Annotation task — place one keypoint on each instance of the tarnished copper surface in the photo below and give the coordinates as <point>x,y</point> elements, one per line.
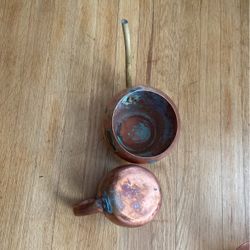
<point>141,124</point>
<point>130,196</point>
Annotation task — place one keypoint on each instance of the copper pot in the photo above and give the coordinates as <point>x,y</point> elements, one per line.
<point>141,123</point>
<point>128,195</point>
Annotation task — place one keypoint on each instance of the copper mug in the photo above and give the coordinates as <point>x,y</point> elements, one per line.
<point>129,196</point>
<point>141,123</point>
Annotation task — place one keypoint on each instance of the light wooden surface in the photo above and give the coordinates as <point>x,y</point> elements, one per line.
<point>62,61</point>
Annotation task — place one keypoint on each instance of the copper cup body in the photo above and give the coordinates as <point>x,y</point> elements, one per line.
<point>129,196</point>
<point>141,124</point>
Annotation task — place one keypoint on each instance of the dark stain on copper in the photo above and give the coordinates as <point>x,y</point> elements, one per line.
<point>136,205</point>
<point>130,190</point>
<point>115,199</point>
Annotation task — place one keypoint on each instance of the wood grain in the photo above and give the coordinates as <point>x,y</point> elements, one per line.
<point>62,61</point>
<point>210,103</point>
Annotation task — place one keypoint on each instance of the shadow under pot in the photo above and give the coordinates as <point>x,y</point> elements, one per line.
<point>128,195</point>
<point>141,124</point>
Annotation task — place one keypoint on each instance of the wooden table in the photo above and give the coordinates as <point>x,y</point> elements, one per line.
<point>62,61</point>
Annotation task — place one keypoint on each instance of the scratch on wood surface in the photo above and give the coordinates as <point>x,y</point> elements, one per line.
<point>53,128</point>
<point>228,110</point>
<point>150,53</point>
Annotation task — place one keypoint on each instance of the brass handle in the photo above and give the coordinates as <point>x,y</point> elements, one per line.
<point>128,56</point>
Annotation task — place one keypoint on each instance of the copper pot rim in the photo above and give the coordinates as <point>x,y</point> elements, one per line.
<point>174,107</point>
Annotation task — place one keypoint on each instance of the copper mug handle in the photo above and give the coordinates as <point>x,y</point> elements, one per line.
<point>87,207</point>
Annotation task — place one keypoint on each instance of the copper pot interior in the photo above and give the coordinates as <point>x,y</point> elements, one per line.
<point>144,123</point>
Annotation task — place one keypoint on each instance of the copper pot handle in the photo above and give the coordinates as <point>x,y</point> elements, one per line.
<point>128,55</point>
<point>88,206</point>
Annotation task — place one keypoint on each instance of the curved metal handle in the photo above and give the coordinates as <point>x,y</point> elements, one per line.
<point>88,206</point>
<point>128,56</point>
